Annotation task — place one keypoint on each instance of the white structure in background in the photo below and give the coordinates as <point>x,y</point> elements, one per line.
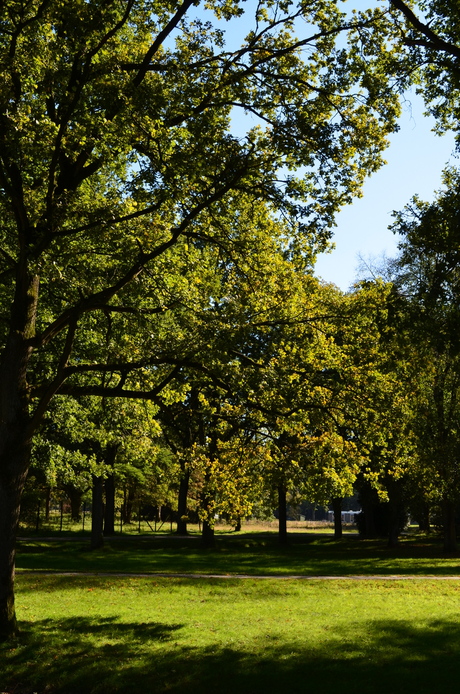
<point>347,516</point>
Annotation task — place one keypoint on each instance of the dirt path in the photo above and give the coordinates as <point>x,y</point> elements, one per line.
<point>278,577</point>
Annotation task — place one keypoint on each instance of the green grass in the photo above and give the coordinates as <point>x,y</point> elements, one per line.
<point>107,634</point>
<point>247,553</point>
<point>95,635</point>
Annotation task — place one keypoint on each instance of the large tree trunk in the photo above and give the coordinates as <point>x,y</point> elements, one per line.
<point>337,508</point>
<point>207,535</point>
<point>109,510</point>
<point>282,515</point>
<point>368,502</point>
<point>182,502</point>
<point>423,518</point>
<point>395,510</point>
<point>11,485</point>
<point>393,526</point>
<point>75,497</point>
<point>128,504</point>
<point>15,436</point>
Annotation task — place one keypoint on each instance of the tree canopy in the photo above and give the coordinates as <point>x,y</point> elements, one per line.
<point>164,189</point>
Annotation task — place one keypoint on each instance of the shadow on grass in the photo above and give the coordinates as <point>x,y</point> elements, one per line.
<point>260,554</point>
<point>382,657</point>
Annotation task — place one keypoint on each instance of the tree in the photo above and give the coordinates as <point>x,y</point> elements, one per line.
<point>112,444</point>
<point>428,36</point>
<point>116,151</point>
<point>293,395</point>
<point>427,277</point>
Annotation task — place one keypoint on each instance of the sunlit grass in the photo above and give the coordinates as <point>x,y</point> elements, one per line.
<point>100,635</point>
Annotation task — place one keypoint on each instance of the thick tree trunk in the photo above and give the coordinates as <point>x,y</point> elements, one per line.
<point>368,507</point>
<point>207,535</point>
<point>11,486</point>
<point>182,503</point>
<point>337,508</point>
<point>393,530</point>
<point>423,518</point>
<point>282,515</point>
<point>15,435</point>
<point>97,514</point>
<point>450,531</point>
<point>75,497</point>
<point>127,508</point>
<point>395,511</point>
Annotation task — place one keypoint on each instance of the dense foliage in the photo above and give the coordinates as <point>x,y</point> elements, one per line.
<point>168,173</point>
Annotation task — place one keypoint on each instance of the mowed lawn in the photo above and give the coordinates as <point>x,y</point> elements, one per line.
<point>245,553</point>
<point>101,634</point>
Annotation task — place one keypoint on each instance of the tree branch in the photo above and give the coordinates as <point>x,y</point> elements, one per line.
<point>164,33</point>
<point>98,300</point>
<point>437,42</point>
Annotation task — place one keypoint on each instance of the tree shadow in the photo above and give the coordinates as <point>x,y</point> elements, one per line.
<point>251,553</point>
<point>382,657</point>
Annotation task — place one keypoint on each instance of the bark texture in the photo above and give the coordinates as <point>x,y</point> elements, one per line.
<point>15,438</point>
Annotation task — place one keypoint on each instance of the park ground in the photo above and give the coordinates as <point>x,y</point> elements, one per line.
<point>107,621</point>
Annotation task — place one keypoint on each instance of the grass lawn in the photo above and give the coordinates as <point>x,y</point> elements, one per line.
<point>104,634</point>
<point>95,635</point>
<point>246,553</point>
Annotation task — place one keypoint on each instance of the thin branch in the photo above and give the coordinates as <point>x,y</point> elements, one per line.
<point>108,308</point>
<point>49,238</point>
<point>106,392</point>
